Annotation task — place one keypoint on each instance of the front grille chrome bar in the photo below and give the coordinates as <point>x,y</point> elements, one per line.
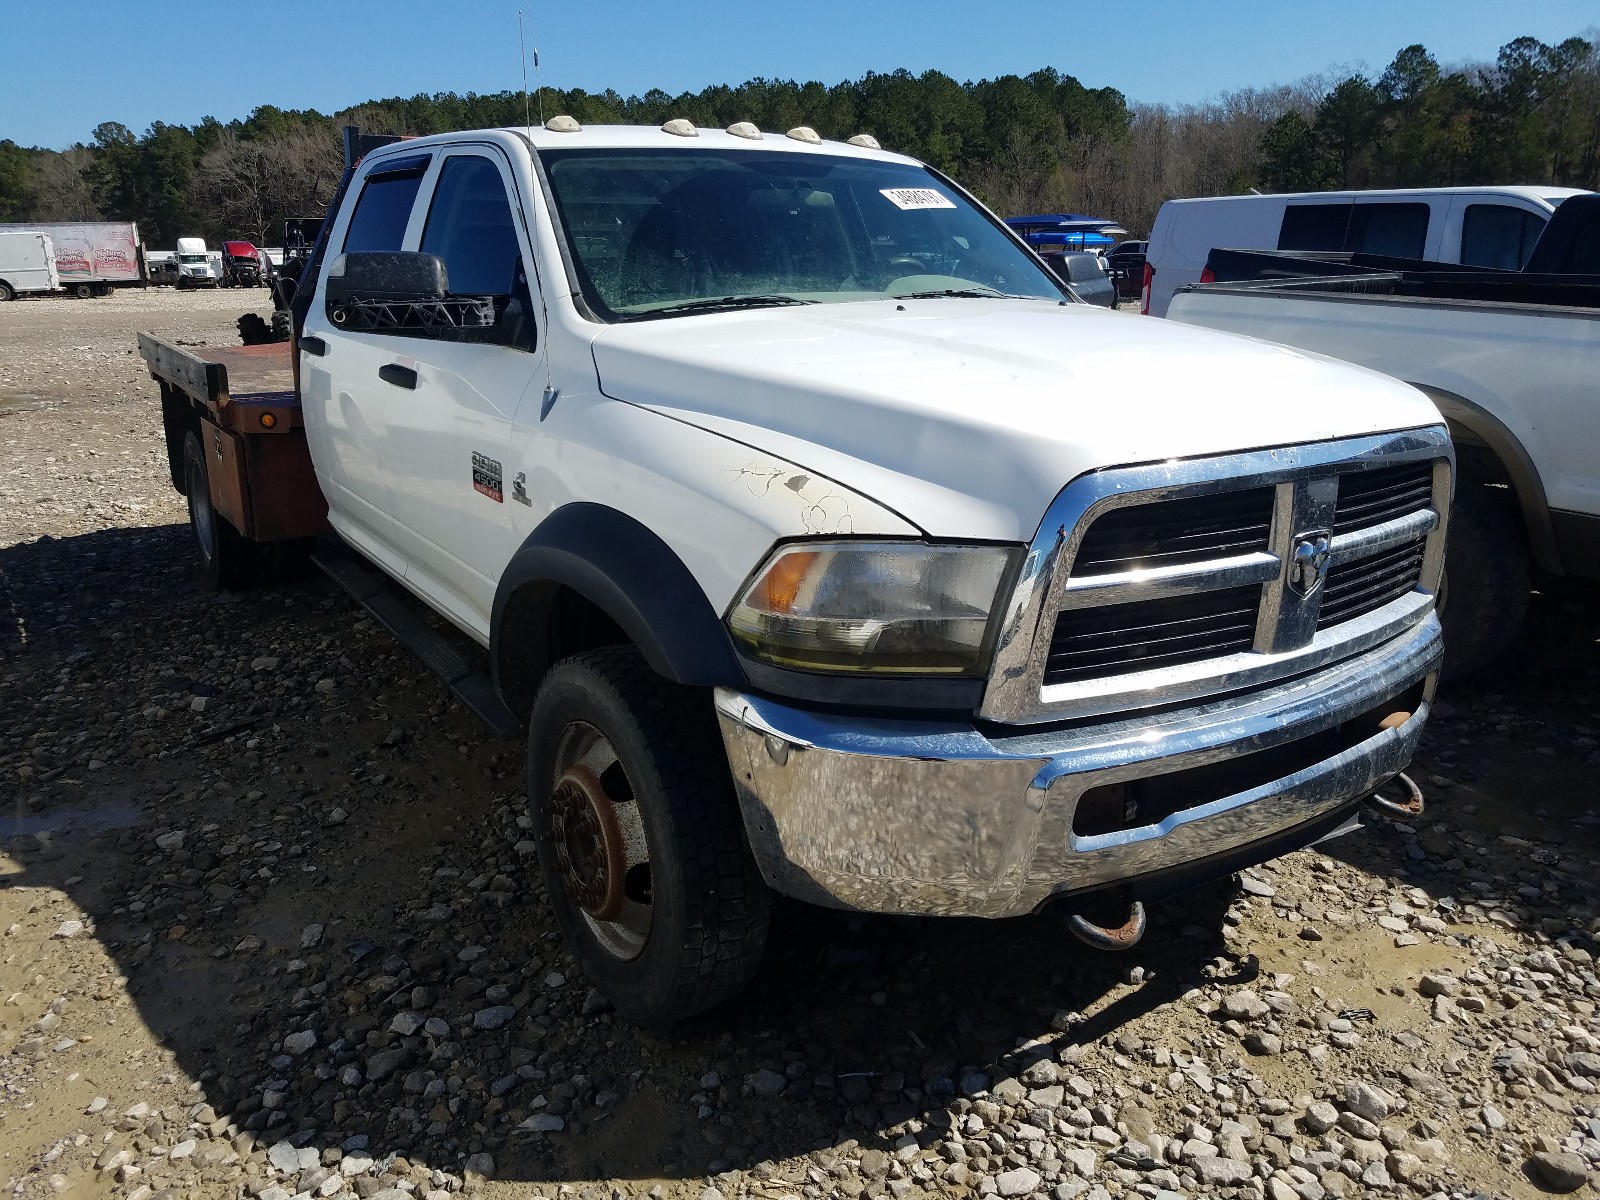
<point>1160,583</point>
<point>1375,539</point>
<point>1288,639</point>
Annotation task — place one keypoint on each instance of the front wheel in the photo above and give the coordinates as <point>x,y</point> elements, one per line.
<point>641,846</point>
<point>226,557</point>
<point>1487,577</point>
<point>7,292</point>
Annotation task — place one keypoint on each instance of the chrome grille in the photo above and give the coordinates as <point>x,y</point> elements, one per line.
<point>1368,498</point>
<point>1089,642</point>
<point>1365,585</point>
<point>1178,580</point>
<point>1189,530</point>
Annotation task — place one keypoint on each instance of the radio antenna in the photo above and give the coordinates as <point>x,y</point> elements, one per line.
<point>538,78</point>
<point>522,43</point>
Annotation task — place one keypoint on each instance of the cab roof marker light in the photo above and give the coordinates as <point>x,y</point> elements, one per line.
<point>563,124</point>
<point>866,141</point>
<point>679,127</point>
<point>745,129</point>
<point>806,134</point>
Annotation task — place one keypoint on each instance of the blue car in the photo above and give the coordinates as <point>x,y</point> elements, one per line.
<point>1059,233</point>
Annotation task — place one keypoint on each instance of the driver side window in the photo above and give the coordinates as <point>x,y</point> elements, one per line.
<point>471,227</point>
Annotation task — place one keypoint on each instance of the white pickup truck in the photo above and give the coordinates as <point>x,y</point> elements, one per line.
<point>1512,361</point>
<point>775,483</point>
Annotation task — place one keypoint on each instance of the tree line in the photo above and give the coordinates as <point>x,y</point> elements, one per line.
<point>1040,142</point>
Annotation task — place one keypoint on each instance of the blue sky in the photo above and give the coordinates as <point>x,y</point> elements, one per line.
<point>180,60</point>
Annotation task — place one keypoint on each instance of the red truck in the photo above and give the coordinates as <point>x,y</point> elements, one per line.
<point>242,265</point>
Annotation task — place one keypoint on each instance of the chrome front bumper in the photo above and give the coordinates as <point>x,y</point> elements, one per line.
<point>912,816</point>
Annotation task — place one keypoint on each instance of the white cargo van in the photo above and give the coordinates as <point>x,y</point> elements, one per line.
<point>1479,226</point>
<point>27,264</point>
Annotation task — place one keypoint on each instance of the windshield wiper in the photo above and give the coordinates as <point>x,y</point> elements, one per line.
<point>715,304</point>
<point>964,294</point>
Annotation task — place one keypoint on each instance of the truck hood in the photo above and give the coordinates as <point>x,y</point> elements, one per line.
<point>968,416</point>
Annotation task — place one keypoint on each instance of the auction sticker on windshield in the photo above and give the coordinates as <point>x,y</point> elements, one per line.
<point>912,198</point>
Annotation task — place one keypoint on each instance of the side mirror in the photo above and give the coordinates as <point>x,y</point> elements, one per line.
<point>407,293</point>
<point>388,276</point>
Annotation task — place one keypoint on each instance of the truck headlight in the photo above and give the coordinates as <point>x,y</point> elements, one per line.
<point>884,607</point>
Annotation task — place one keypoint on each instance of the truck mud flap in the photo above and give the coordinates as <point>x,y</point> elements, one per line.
<point>397,613</point>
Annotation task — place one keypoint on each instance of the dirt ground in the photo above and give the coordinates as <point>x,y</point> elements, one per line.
<point>264,892</point>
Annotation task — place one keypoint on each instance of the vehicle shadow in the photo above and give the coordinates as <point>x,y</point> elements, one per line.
<point>294,877</point>
<point>345,947</point>
<point>1508,764</point>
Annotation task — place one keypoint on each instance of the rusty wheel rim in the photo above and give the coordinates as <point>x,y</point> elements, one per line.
<point>602,854</point>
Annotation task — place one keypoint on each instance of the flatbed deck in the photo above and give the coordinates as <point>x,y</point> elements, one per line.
<point>241,403</point>
<point>240,384</point>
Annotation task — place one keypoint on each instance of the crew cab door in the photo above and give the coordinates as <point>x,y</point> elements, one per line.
<point>446,437</point>
<point>345,397</point>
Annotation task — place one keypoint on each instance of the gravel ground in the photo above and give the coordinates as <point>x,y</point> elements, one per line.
<point>268,926</point>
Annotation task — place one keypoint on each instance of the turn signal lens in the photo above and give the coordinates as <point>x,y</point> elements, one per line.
<point>268,420</point>
<point>888,607</point>
<point>780,586</point>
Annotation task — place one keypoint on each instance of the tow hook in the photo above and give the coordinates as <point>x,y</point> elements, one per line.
<point>1122,937</point>
<point>1408,808</point>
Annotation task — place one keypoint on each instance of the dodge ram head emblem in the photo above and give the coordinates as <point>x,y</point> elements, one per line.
<point>1308,561</point>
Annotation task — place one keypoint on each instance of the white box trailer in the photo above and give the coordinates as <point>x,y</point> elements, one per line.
<point>27,263</point>
<point>92,257</point>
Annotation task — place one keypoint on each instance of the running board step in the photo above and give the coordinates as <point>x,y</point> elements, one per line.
<point>396,612</point>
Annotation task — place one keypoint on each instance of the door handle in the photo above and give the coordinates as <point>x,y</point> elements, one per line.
<point>312,344</point>
<point>399,376</point>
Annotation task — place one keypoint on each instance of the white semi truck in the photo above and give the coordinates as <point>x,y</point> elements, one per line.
<point>197,267</point>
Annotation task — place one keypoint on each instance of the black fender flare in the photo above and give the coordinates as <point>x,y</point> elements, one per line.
<point>630,574</point>
<point>1482,426</point>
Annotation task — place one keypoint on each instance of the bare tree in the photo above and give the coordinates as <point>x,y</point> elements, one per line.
<point>60,187</point>
<point>246,185</point>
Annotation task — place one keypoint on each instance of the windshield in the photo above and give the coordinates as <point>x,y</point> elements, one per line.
<point>656,233</point>
<point>192,258</point>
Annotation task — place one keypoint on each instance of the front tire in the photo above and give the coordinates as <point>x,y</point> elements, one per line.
<point>227,558</point>
<point>1487,577</point>
<point>641,845</point>
<point>7,292</point>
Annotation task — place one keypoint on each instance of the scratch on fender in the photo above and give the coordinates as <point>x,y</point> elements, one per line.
<point>757,478</point>
<point>824,512</point>
<point>830,514</point>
